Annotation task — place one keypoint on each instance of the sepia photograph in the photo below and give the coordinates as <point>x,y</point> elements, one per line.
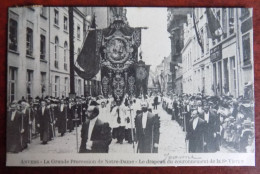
<point>130,86</point>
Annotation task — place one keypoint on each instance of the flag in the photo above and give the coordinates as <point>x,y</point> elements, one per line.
<point>142,75</point>
<point>213,24</point>
<point>197,34</point>
<point>88,61</point>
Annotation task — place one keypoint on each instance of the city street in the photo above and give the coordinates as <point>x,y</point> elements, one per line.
<point>172,140</point>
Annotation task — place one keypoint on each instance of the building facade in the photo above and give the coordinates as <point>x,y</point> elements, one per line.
<point>223,65</point>
<point>176,18</point>
<point>38,50</point>
<point>27,56</point>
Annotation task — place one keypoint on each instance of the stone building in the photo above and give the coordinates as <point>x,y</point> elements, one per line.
<point>38,50</point>
<point>222,65</point>
<point>28,56</point>
<point>176,18</point>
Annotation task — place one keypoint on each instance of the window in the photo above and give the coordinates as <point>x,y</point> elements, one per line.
<point>246,49</point>
<point>202,40</point>
<point>244,12</point>
<point>29,41</point>
<point>79,87</point>
<point>66,86</point>
<point>78,32</point>
<point>233,78</point>
<point>226,76</point>
<point>207,39</point>
<point>231,20</point>
<point>65,23</point>
<point>13,35</point>
<point>56,52</point>
<point>57,86</point>
<point>56,17</point>
<point>12,83</point>
<point>65,55</point>
<point>43,12</point>
<point>29,87</point>
<point>43,83</point>
<point>42,47</point>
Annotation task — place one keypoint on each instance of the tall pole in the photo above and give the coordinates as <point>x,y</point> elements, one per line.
<point>71,39</point>
<point>72,79</point>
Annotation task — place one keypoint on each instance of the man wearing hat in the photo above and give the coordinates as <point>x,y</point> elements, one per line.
<point>195,133</point>
<point>147,130</point>
<point>62,117</point>
<point>212,128</point>
<point>43,122</point>
<point>26,118</point>
<point>95,134</point>
<point>71,112</point>
<point>14,131</point>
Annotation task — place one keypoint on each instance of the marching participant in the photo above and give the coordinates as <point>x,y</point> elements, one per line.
<point>71,111</point>
<point>147,130</point>
<point>13,143</point>
<point>62,117</point>
<point>25,110</point>
<point>130,128</point>
<point>211,128</point>
<point>43,122</point>
<point>195,133</point>
<point>96,135</point>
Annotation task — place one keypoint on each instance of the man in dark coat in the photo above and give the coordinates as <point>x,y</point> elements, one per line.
<point>95,135</point>
<point>52,120</point>
<point>62,118</point>
<point>195,133</point>
<point>211,129</point>
<point>13,143</point>
<point>186,114</point>
<point>71,111</point>
<point>147,131</point>
<point>25,110</point>
<point>43,122</point>
<point>155,102</point>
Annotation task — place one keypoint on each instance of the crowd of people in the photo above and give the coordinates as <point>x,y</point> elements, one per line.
<point>100,119</point>
<point>213,121</point>
<point>209,122</point>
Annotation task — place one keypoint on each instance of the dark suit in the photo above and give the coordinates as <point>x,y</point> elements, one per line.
<point>62,119</point>
<point>101,137</point>
<point>211,128</point>
<point>25,126</point>
<point>14,132</point>
<point>155,102</point>
<point>44,121</point>
<point>71,112</point>
<point>147,137</point>
<point>187,116</point>
<point>196,136</point>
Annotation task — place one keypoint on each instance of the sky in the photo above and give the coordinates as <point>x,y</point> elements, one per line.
<point>155,40</point>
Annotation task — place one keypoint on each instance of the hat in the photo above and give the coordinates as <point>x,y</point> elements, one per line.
<point>41,100</point>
